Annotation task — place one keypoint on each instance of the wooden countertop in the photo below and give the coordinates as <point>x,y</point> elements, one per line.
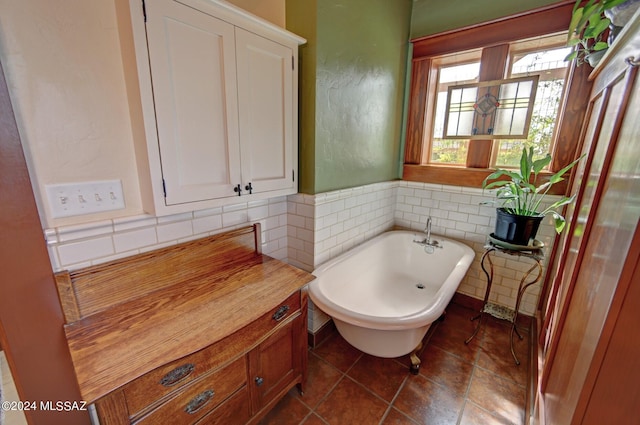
<point>114,346</point>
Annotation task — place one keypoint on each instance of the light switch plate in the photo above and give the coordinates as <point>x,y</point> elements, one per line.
<point>69,199</point>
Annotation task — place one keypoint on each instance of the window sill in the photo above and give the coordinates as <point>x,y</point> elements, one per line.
<point>462,176</point>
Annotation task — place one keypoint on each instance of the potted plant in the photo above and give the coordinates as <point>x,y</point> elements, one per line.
<point>519,217</point>
<point>587,30</point>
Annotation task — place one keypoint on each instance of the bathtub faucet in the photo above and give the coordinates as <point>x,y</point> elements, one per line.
<point>427,229</point>
<point>426,242</point>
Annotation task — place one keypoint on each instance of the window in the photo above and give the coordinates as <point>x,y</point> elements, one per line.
<point>511,48</point>
<point>449,72</point>
<point>546,61</point>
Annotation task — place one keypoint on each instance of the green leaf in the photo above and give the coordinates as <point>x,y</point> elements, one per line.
<point>600,45</point>
<point>525,164</point>
<point>539,164</point>
<point>514,175</point>
<point>608,4</point>
<point>553,207</point>
<point>571,56</point>
<point>596,27</point>
<point>528,187</point>
<point>496,174</point>
<point>521,196</point>
<point>575,19</point>
<point>573,41</point>
<point>499,173</point>
<point>559,222</point>
<point>543,186</point>
<point>506,195</point>
<point>564,201</point>
<point>557,177</point>
<point>588,13</point>
<point>497,183</point>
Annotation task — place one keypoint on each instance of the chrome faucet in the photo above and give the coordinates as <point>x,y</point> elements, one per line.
<point>426,242</point>
<point>427,230</point>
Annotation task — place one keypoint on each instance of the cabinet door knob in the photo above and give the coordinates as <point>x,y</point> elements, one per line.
<point>259,381</point>
<point>249,188</point>
<point>238,190</point>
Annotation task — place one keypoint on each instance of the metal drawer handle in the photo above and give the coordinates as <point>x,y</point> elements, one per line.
<point>177,375</point>
<point>199,401</point>
<point>280,313</point>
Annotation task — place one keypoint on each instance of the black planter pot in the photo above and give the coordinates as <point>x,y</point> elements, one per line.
<point>516,229</point>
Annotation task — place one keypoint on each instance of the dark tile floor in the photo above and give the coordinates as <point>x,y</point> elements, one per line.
<point>477,383</point>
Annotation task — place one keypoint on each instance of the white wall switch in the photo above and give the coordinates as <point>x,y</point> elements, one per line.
<point>69,199</point>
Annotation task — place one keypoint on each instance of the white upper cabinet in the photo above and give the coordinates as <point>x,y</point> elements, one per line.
<point>265,70</point>
<point>218,94</point>
<point>193,75</point>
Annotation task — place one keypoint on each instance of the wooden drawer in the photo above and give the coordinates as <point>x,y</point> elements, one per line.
<point>261,328</point>
<point>197,399</point>
<point>143,393</point>
<point>233,411</point>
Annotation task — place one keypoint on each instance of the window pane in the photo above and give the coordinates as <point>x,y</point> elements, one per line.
<point>461,112</point>
<point>459,73</point>
<point>552,68</point>
<point>445,151</point>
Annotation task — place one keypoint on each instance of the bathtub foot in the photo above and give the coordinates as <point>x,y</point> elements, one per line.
<point>442,317</point>
<point>415,360</point>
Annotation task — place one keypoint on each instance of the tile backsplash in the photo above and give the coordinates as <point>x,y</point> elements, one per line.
<point>325,225</point>
<point>307,230</point>
<point>460,213</point>
<point>74,247</point>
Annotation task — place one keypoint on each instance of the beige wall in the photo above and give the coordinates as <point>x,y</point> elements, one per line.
<point>271,10</point>
<point>64,69</point>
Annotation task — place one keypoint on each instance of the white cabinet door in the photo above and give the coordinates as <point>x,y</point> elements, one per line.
<point>193,74</point>
<point>266,99</point>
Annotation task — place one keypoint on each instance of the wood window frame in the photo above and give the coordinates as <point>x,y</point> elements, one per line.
<point>494,38</point>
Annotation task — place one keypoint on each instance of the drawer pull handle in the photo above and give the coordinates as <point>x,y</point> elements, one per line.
<point>177,375</point>
<point>280,313</point>
<point>199,401</point>
<point>259,381</point>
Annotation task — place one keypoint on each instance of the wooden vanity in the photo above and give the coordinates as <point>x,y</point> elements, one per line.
<point>208,331</point>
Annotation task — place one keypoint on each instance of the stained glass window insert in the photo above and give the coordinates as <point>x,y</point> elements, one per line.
<point>490,109</point>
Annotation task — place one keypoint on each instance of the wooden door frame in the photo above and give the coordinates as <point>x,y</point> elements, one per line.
<point>31,320</point>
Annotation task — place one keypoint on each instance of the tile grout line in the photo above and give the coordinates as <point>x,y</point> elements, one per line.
<point>468,389</point>
<point>476,366</point>
<point>393,400</point>
<point>483,338</point>
<point>330,390</point>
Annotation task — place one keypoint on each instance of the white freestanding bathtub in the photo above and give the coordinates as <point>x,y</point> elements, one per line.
<point>384,294</point>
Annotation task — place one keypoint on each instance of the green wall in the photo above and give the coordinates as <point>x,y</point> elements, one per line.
<point>434,16</point>
<point>301,18</point>
<point>352,88</point>
<point>353,79</point>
